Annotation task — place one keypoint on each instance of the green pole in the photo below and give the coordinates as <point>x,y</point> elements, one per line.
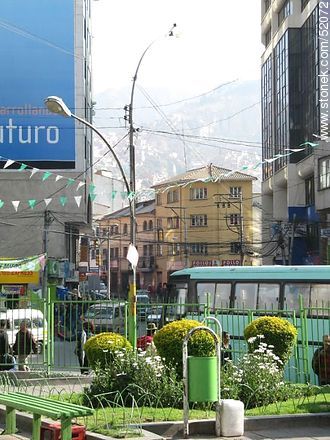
<point>132,311</point>
<point>49,330</point>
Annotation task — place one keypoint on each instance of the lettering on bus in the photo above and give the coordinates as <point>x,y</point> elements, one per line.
<point>230,263</point>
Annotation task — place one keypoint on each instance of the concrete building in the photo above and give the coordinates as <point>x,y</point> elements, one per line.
<point>295,131</point>
<point>45,159</point>
<point>204,218</point>
<point>116,226</point>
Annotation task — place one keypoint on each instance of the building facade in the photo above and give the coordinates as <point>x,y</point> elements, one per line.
<point>45,159</point>
<point>295,131</point>
<point>204,218</point>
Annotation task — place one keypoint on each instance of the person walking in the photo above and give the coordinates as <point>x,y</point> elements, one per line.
<point>24,345</point>
<point>321,362</point>
<point>86,332</point>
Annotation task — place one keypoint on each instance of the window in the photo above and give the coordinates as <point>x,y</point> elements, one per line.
<point>145,225</point>
<point>151,225</point>
<point>173,196</point>
<point>114,229</point>
<point>234,219</point>
<point>235,247</point>
<point>324,173</point>
<point>174,249</point>
<point>159,223</point>
<point>173,223</point>
<point>268,296</point>
<point>216,295</point>
<point>292,294</point>
<point>125,229</point>
<point>158,199</point>
<point>125,250</point>
<point>199,248</point>
<point>284,12</point>
<point>246,295</point>
<point>114,252</point>
<point>159,250</point>
<point>198,193</point>
<point>198,220</point>
<point>309,191</point>
<point>235,192</point>
<point>151,249</point>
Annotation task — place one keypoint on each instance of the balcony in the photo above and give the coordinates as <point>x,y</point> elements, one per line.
<point>146,264</point>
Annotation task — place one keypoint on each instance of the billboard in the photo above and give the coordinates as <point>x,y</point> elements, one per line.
<point>37,60</point>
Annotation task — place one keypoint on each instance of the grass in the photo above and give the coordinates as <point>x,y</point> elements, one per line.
<point>123,422</point>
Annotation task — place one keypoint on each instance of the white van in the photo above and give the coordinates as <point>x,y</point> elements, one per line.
<point>35,322</point>
<point>107,317</point>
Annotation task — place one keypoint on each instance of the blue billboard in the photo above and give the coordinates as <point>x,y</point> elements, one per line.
<point>37,60</point>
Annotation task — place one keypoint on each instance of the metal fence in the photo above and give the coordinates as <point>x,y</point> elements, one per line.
<point>56,325</point>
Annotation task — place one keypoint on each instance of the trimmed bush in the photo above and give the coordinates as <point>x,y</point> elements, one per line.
<point>100,349</point>
<point>169,340</point>
<point>277,332</point>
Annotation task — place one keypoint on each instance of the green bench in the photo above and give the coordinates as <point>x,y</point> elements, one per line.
<point>41,406</point>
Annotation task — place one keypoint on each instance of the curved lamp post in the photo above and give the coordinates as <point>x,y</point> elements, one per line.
<point>56,105</point>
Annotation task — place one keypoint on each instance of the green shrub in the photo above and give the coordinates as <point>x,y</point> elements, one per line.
<point>100,349</point>
<point>169,340</point>
<point>135,379</point>
<point>277,332</point>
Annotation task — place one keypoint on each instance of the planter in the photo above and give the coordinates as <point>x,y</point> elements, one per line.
<point>202,379</point>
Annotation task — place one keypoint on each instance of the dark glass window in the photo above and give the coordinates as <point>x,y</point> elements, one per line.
<point>267,114</point>
<point>284,12</point>
<point>268,36</point>
<point>304,4</point>
<point>324,173</point>
<point>310,191</point>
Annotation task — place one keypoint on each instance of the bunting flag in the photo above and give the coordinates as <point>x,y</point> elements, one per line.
<point>70,182</point>
<point>1,203</point>
<point>63,200</point>
<point>22,167</point>
<point>8,163</point>
<point>33,171</point>
<point>47,202</point>
<point>58,177</point>
<point>113,194</point>
<point>91,188</point>
<point>46,175</point>
<point>32,203</point>
<point>78,200</point>
<point>15,204</point>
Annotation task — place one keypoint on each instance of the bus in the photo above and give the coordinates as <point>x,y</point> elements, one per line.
<point>238,294</point>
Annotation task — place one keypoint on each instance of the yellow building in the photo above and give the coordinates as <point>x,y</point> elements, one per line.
<point>203,218</point>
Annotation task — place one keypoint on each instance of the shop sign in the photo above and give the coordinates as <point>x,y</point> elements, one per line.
<point>230,263</point>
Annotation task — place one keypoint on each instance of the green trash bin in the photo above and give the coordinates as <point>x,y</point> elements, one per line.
<point>202,379</point>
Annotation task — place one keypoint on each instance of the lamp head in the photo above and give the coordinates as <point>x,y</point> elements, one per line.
<point>56,105</point>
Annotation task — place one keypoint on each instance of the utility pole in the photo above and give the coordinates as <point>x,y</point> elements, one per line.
<point>109,267</point>
<point>48,219</point>
<point>241,229</point>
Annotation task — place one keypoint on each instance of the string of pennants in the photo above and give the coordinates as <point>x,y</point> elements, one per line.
<point>63,200</point>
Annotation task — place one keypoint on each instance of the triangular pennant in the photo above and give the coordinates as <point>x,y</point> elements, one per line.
<point>78,200</point>
<point>92,197</point>
<point>32,203</point>
<point>310,144</point>
<point>63,200</point>
<point>244,168</point>
<point>58,177</point>
<point>22,167</point>
<point>257,165</point>
<point>91,188</point>
<point>271,160</point>
<point>131,195</point>
<point>70,182</point>
<point>113,194</point>
<point>80,184</point>
<point>33,171</point>
<point>8,163</point>
<point>15,204</point>
<point>1,203</point>
<point>46,175</point>
<point>123,194</point>
<point>47,201</point>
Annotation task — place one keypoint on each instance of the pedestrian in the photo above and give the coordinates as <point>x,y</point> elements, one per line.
<point>24,345</point>
<point>146,341</point>
<point>86,332</point>
<point>321,362</point>
<point>7,361</point>
<point>225,348</point>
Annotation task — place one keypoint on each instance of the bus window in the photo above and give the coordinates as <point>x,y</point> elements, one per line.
<point>320,295</point>
<point>291,295</point>
<point>222,295</point>
<point>268,296</point>
<point>205,294</point>
<point>181,297</point>
<point>246,295</point>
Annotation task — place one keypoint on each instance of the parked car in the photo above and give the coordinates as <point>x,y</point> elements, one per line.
<point>160,315</point>
<point>142,304</point>
<point>107,317</point>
